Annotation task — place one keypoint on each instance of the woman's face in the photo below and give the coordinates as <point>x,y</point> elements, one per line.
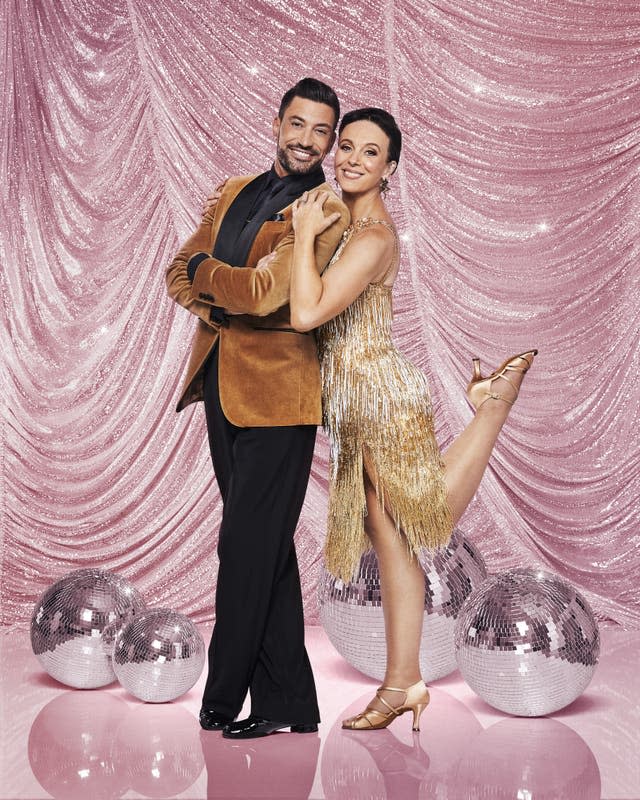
<point>361,157</point>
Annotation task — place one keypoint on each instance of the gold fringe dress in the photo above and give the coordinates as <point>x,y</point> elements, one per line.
<point>378,417</point>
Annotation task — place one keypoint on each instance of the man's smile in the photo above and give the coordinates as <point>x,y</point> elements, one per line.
<point>302,154</point>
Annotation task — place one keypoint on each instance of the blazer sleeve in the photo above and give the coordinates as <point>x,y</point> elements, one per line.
<point>178,283</point>
<point>246,290</point>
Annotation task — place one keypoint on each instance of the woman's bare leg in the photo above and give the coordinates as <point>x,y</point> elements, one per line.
<point>402,588</point>
<point>467,458</point>
<point>401,576</point>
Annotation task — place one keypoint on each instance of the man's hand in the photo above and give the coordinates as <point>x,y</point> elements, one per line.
<point>211,202</point>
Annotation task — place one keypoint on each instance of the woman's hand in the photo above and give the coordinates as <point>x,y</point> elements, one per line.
<point>265,261</point>
<point>211,202</point>
<point>308,214</point>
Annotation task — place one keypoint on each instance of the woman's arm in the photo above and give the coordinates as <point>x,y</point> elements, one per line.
<point>317,298</point>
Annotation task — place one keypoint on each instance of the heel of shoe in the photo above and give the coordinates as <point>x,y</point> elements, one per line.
<point>304,728</point>
<point>480,389</point>
<point>417,713</point>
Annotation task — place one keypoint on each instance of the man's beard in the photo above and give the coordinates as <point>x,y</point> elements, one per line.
<point>295,167</point>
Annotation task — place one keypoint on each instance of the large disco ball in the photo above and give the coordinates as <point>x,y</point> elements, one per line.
<point>69,620</point>
<point>352,616</point>
<point>527,642</point>
<point>158,655</point>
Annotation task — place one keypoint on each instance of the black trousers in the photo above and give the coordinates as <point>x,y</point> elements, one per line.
<point>258,638</point>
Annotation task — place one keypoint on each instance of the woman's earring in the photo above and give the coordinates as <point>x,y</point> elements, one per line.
<point>384,185</point>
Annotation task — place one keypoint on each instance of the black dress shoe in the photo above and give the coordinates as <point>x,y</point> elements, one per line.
<point>210,720</point>
<point>253,727</point>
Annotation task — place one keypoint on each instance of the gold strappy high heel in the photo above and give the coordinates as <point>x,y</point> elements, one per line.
<point>416,699</point>
<point>479,389</point>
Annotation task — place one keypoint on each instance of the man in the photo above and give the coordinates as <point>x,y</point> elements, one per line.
<point>260,381</point>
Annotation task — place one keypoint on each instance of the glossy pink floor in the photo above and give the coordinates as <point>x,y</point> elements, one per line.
<point>104,744</point>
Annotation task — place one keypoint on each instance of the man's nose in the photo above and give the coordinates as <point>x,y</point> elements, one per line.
<point>306,137</point>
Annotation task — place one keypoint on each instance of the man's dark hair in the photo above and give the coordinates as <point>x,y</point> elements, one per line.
<point>311,89</point>
<point>384,120</point>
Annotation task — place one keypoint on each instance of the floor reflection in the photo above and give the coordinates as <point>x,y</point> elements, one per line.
<point>452,758</point>
<point>282,765</point>
<point>159,745</point>
<point>608,718</point>
<point>72,746</point>
<point>103,745</point>
<point>94,745</point>
<point>395,763</point>
<point>528,758</point>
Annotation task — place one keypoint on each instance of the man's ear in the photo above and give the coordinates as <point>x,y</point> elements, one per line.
<point>333,141</point>
<point>276,128</point>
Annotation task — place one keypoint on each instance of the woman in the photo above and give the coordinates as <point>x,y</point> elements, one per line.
<point>390,487</point>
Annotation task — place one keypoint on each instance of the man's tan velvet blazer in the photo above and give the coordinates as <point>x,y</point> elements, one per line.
<point>268,374</point>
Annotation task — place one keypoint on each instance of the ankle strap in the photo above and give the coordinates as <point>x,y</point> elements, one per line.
<point>384,702</point>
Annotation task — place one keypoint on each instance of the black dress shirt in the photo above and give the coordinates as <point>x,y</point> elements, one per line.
<point>260,200</point>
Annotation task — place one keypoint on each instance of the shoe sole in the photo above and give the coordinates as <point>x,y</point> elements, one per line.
<point>214,727</point>
<point>292,728</point>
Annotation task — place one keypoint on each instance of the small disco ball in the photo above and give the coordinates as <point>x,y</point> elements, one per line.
<point>527,643</point>
<point>69,620</point>
<point>159,655</point>
<point>352,616</point>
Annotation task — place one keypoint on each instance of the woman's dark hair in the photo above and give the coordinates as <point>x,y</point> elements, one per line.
<point>311,89</point>
<point>384,120</point>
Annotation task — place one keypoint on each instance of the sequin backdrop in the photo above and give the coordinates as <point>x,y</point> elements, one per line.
<point>518,202</point>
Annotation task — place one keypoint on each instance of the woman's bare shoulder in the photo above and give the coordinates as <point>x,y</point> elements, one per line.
<point>375,235</point>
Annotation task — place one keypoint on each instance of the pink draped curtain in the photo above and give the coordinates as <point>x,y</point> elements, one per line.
<point>518,203</point>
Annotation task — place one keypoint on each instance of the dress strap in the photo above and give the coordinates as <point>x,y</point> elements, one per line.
<point>366,222</point>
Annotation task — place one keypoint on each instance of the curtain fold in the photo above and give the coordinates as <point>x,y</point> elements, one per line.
<point>518,203</point>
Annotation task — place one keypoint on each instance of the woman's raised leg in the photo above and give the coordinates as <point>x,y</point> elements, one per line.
<point>467,458</point>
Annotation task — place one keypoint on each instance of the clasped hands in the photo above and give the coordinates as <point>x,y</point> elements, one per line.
<point>308,219</point>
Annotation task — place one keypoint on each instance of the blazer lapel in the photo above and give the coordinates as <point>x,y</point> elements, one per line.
<point>232,221</point>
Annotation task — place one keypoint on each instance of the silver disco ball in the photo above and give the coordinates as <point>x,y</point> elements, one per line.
<point>352,616</point>
<point>527,642</point>
<point>159,655</point>
<point>69,620</point>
